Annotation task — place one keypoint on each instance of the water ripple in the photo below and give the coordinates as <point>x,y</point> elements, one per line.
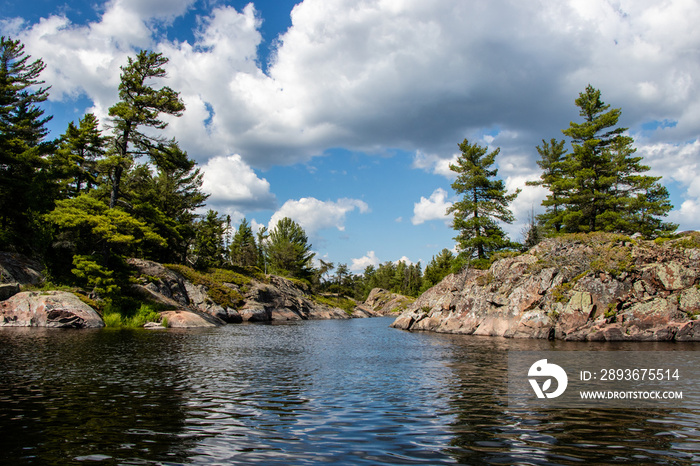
<point>347,392</point>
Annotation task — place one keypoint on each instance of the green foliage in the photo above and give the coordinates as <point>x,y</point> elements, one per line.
<point>600,185</point>
<point>484,202</point>
<point>243,250</point>
<point>75,163</point>
<point>288,250</point>
<point>25,185</point>
<point>167,199</point>
<point>686,241</point>
<point>95,276</point>
<point>90,225</point>
<point>611,310</point>
<point>561,293</point>
<point>346,304</point>
<point>144,314</point>
<point>208,248</point>
<point>139,108</point>
<point>551,157</point>
<point>438,268</point>
<point>397,277</point>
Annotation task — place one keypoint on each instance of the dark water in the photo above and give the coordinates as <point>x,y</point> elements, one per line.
<point>343,392</point>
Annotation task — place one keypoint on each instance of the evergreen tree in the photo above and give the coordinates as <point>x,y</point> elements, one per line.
<point>600,185</point>
<point>24,184</point>
<point>97,239</point>
<point>484,202</point>
<point>288,250</point>
<point>324,270</point>
<point>137,114</point>
<point>438,268</point>
<point>167,198</point>
<point>76,159</point>
<point>209,250</point>
<point>551,157</point>
<point>243,251</point>
<point>342,274</point>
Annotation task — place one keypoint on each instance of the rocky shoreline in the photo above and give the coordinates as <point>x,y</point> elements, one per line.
<point>599,287</point>
<point>189,303</point>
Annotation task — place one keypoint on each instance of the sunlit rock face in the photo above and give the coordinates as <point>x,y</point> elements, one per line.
<point>581,287</point>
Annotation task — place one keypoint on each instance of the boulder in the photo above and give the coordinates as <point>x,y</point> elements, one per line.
<point>182,318</point>
<point>58,309</point>
<point>281,300</point>
<point>275,299</point>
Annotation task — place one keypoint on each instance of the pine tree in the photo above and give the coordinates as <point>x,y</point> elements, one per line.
<point>24,185</point>
<point>243,250</point>
<point>600,185</point>
<point>288,250</point>
<point>484,202</point>
<point>168,200</point>
<point>438,268</point>
<point>208,246</point>
<point>75,162</point>
<point>551,156</point>
<point>137,114</point>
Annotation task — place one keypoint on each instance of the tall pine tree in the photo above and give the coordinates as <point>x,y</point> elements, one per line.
<point>600,185</point>
<point>483,204</point>
<point>137,114</point>
<point>76,160</point>
<point>24,193</point>
<point>243,251</point>
<point>551,156</point>
<point>288,250</point>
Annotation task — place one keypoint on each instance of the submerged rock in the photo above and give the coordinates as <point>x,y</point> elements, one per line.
<point>58,309</point>
<point>596,287</point>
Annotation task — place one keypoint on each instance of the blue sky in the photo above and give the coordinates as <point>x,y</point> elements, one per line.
<point>345,115</point>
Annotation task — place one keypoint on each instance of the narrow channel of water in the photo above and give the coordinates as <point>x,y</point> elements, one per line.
<point>342,392</point>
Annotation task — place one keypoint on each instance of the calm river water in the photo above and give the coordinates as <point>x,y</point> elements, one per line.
<point>342,392</point>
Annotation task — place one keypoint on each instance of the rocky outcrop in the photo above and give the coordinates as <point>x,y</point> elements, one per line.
<point>19,269</point>
<point>580,287</point>
<point>282,299</point>
<point>165,286</point>
<point>270,300</point>
<point>8,290</point>
<point>56,309</point>
<point>381,302</point>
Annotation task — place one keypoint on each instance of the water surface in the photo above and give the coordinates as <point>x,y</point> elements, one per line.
<point>344,392</point>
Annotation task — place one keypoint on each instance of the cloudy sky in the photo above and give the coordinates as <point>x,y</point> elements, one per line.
<point>344,114</point>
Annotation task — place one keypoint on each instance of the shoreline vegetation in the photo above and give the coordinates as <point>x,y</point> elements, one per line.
<point>104,205</point>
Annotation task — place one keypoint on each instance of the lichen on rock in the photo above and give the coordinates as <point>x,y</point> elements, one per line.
<point>576,287</point>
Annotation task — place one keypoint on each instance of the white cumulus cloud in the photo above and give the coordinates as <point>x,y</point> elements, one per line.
<point>231,182</point>
<point>361,263</point>
<point>432,208</point>
<point>314,215</point>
